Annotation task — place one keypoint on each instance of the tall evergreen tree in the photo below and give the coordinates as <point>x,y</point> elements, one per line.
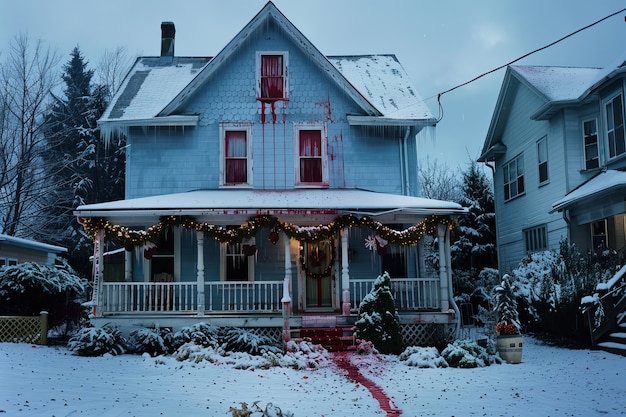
<point>475,245</point>
<point>82,165</point>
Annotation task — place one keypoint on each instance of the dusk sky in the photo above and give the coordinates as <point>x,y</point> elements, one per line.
<point>441,44</point>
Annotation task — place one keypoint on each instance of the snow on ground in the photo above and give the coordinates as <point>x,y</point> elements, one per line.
<point>550,381</point>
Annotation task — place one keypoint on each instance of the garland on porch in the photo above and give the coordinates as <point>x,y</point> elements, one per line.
<point>135,238</point>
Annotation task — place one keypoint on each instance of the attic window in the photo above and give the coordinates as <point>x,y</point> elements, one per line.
<point>272,76</point>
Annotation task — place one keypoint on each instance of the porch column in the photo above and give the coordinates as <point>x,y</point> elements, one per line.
<point>200,277</point>
<point>98,273</point>
<point>443,266</point>
<point>286,300</point>
<point>128,266</point>
<point>345,274</point>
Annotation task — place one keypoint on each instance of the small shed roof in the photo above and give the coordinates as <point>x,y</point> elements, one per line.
<point>31,244</point>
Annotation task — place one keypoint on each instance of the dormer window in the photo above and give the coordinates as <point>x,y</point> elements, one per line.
<point>272,70</point>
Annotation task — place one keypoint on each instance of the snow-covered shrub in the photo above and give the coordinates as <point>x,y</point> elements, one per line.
<point>465,354</point>
<point>550,285</point>
<point>378,320</point>
<point>256,410</point>
<point>365,347</point>
<point>29,287</point>
<point>242,340</point>
<point>148,341</point>
<point>200,334</point>
<point>299,355</point>
<point>97,341</point>
<point>423,357</point>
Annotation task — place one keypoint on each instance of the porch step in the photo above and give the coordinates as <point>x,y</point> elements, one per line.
<point>614,343</point>
<point>331,338</point>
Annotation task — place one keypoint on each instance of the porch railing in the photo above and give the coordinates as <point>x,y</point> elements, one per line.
<point>222,296</point>
<point>408,293</point>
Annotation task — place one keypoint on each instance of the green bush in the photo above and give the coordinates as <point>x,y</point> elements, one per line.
<point>28,288</point>
<point>97,341</point>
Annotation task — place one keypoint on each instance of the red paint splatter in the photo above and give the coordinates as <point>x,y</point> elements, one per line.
<point>342,360</point>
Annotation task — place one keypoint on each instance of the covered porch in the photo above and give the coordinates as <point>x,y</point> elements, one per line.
<point>314,258</point>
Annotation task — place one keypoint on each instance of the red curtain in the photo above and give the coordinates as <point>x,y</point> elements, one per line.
<point>310,156</point>
<point>272,76</point>
<point>236,159</point>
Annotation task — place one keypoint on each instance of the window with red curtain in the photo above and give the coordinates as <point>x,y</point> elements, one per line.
<point>236,158</point>
<point>272,77</point>
<point>310,156</point>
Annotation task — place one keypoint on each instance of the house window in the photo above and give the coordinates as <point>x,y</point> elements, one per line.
<point>236,150</point>
<point>236,264</point>
<point>162,258</point>
<point>536,238</point>
<point>542,159</point>
<point>514,178</point>
<point>311,156</point>
<point>599,235</point>
<point>590,140</point>
<point>272,76</point>
<point>615,126</point>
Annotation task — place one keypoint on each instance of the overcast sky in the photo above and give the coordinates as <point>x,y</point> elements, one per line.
<point>440,43</point>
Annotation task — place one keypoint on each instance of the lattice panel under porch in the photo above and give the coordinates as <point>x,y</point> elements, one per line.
<point>426,334</point>
<point>274,333</point>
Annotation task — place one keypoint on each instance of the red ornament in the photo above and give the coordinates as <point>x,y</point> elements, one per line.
<point>273,237</point>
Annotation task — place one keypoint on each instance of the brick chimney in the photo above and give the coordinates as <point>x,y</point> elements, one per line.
<point>168,31</point>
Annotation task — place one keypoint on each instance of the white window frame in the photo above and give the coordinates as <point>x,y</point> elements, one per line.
<point>324,154</point>
<point>285,55</point>
<point>225,257</point>
<point>594,233</point>
<point>226,127</point>
<point>543,142</point>
<point>605,103</point>
<point>507,168</point>
<point>536,238</point>
<point>586,157</point>
<point>147,263</point>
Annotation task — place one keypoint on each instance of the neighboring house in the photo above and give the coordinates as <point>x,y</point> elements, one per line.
<point>261,186</point>
<point>15,250</point>
<point>557,145</point>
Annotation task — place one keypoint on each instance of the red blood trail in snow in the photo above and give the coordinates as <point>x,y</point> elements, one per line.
<point>342,360</point>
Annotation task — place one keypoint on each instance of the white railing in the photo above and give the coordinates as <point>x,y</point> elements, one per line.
<point>244,296</point>
<point>408,293</point>
<point>223,296</point>
<point>123,297</point>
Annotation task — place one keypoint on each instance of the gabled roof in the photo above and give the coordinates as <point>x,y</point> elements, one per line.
<point>156,88</point>
<point>557,87</point>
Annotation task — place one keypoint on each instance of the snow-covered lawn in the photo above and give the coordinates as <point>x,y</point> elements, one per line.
<point>550,381</point>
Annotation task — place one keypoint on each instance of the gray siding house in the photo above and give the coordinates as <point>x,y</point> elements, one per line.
<point>557,145</point>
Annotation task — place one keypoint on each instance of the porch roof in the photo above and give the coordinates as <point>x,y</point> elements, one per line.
<point>605,182</point>
<point>308,205</point>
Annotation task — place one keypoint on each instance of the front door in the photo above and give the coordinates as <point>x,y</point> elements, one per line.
<point>317,264</point>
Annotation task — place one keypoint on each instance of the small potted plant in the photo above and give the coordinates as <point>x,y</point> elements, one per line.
<point>509,339</point>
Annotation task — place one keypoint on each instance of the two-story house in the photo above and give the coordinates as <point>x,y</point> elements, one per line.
<point>267,187</point>
<point>557,146</point>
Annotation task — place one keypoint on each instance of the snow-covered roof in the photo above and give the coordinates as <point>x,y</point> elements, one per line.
<point>31,244</point>
<point>297,202</point>
<point>558,83</point>
<point>156,87</point>
<point>383,82</point>
<point>150,86</point>
<point>604,182</point>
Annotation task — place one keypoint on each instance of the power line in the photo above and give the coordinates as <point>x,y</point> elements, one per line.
<point>521,57</point>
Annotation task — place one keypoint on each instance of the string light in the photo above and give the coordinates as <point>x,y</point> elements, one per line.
<point>130,238</point>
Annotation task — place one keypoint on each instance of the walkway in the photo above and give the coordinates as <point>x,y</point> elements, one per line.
<point>342,360</point>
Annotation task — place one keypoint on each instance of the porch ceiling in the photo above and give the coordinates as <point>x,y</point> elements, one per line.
<point>307,206</point>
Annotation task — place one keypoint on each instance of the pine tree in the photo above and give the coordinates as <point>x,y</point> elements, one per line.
<point>83,168</point>
<point>475,247</point>
<point>378,321</point>
<point>506,304</point>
